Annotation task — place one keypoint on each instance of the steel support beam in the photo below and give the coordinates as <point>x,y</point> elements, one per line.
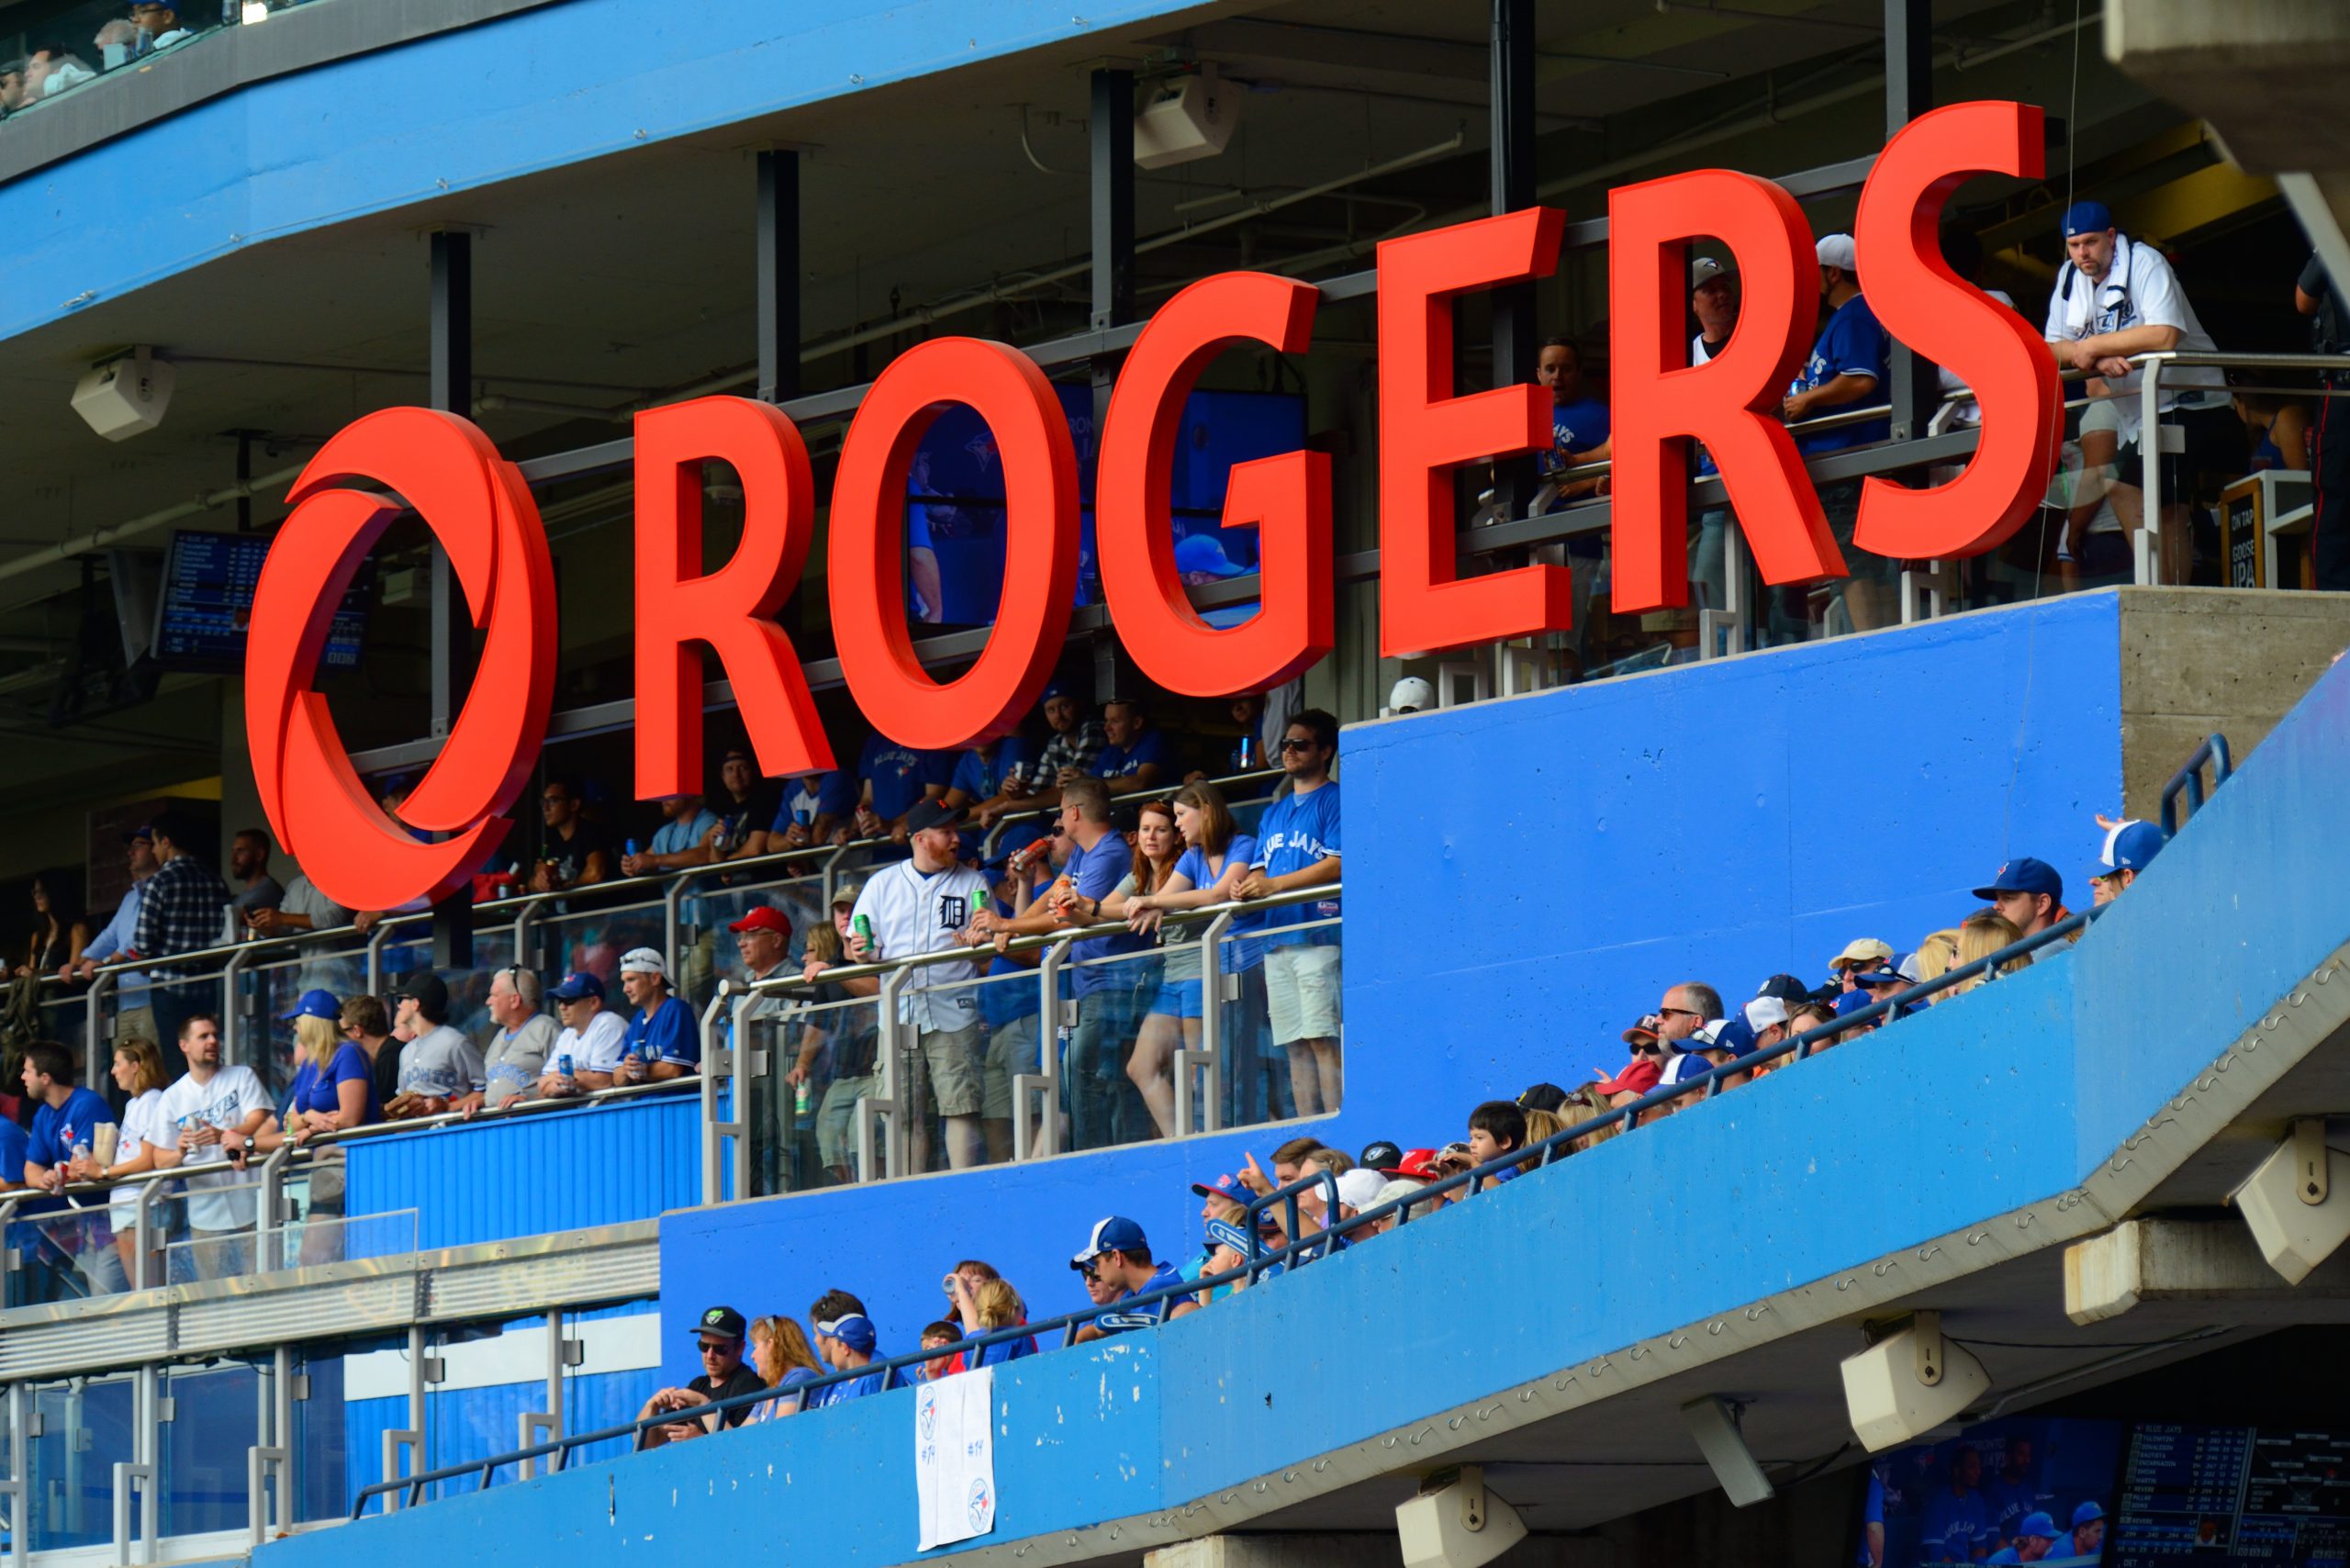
<point>453,391</point>
<point>1909,92</point>
<point>1510,165</point>
<point>778,281</point>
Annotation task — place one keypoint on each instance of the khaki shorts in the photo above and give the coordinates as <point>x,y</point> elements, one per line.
<point>1012,1050</point>
<point>953,1059</point>
<point>1302,994</point>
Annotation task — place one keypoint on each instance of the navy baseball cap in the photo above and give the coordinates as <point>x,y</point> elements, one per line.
<point>2131,846</point>
<point>1852,1002</point>
<point>1786,988</point>
<point>853,1329</point>
<point>2025,876</point>
<point>2088,218</point>
<point>144,830</point>
<point>571,987</point>
<point>1056,687</point>
<point>315,1004</point>
<point>1116,1233</point>
<point>927,814</point>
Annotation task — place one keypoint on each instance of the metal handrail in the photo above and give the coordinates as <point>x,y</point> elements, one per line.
<point>2189,779</point>
<point>1155,792</point>
<point>1295,1250</point>
<point>1202,915</point>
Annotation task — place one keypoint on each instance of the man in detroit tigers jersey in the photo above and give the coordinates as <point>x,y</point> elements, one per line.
<point>918,906</point>
<point>1297,847</point>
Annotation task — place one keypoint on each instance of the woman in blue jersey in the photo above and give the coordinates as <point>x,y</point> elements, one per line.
<point>780,1351</point>
<point>1216,855</point>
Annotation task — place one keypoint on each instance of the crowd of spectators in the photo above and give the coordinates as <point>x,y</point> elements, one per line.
<point>1689,1034</point>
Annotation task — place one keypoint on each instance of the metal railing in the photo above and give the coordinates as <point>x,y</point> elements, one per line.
<point>2189,781</point>
<point>880,1119</point>
<point>1296,1250</point>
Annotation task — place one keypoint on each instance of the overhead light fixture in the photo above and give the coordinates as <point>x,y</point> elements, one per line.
<point>1908,1382</point>
<point>1713,1421</point>
<point>1188,116</point>
<point>125,396</point>
<point>2298,1202</point>
<point>1455,1522</point>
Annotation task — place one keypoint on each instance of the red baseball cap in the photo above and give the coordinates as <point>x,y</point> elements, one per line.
<point>1637,1076</point>
<point>764,917</point>
<point>1418,1165</point>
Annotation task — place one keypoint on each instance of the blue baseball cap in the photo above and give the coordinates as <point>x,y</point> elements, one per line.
<point>2040,1525</point>
<point>1852,1002</point>
<point>1116,1233</point>
<point>1056,687</point>
<point>572,987</point>
<point>853,1329</point>
<point>1204,553</point>
<point>1736,1035</point>
<point>2025,876</point>
<point>2131,846</point>
<point>1879,975</point>
<point>2086,217</point>
<point>315,1004</point>
<point>144,830</point>
<point>2087,1513</point>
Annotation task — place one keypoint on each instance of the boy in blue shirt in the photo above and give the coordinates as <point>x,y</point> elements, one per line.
<point>1496,1128</point>
<point>1849,366</point>
<point>1297,847</point>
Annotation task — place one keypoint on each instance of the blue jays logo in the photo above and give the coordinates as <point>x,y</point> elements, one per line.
<point>926,1416</point>
<point>982,1503</point>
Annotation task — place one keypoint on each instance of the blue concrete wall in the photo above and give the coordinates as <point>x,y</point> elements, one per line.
<point>603,1164</point>
<point>2004,1096</point>
<point>554,85</point>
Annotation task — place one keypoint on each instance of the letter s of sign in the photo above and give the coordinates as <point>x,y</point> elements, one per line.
<point>481,512</point>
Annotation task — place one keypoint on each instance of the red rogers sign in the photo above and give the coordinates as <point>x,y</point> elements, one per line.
<point>478,507</point>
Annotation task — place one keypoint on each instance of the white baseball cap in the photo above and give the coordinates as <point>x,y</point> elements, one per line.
<point>1764,1012</point>
<point>643,961</point>
<point>1358,1188</point>
<point>1411,695</point>
<point>1837,251</point>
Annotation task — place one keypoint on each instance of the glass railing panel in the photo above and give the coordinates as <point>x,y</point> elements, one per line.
<point>86,1430</point>
<point>1281,1024</point>
<point>592,941</point>
<point>65,1254</point>
<point>468,987</point>
<point>212,1230</point>
<point>215,1418</point>
<point>823,1055</point>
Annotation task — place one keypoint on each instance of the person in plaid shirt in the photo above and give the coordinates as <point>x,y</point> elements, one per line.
<point>178,913</point>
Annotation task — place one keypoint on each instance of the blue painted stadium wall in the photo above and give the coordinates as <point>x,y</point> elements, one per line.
<point>2010,1094</point>
<point>456,111</point>
<point>624,1159</point>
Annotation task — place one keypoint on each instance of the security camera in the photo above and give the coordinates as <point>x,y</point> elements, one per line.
<point>1908,1382</point>
<point>125,396</point>
<point>2298,1202</point>
<point>1455,1523</point>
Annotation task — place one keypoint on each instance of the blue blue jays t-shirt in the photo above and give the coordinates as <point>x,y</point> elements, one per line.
<point>1003,1351</point>
<point>1012,992</point>
<point>1872,1513</point>
<point>1164,1275</point>
<point>1097,875</point>
<point>57,1128</point>
<point>669,1030</point>
<point>1123,762</point>
<point>2009,1501</point>
<point>1575,429</point>
<point>979,773</point>
<point>1295,832</point>
<point>1852,344</point>
<point>1952,1525</point>
<point>320,1093</point>
<point>849,1388</point>
<point>900,774</point>
<point>12,1150</point>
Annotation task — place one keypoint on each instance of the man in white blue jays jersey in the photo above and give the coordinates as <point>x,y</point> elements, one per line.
<point>1297,847</point>
<point>918,906</point>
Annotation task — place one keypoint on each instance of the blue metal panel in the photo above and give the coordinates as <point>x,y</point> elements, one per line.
<point>458,111</point>
<point>624,1159</point>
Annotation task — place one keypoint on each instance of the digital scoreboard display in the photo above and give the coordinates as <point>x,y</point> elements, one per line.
<point>2233,1495</point>
<point>207,598</point>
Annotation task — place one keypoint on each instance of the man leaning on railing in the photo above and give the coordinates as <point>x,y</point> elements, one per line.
<point>662,1041</point>
<point>439,1065</point>
<point>211,1116</point>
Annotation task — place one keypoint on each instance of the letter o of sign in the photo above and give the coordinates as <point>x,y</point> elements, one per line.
<point>482,513</point>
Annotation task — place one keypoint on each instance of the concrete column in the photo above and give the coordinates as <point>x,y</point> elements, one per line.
<point>2147,1260</point>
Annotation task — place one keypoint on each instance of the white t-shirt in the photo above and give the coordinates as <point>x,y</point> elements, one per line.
<point>597,1048</point>
<point>916,913</point>
<point>233,1093</point>
<point>2138,290</point>
<point>143,1122</point>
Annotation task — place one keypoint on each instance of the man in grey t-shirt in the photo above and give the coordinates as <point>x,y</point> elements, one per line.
<point>518,1052</point>
<point>438,1065</point>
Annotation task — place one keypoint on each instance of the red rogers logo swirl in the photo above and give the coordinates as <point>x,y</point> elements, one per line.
<point>482,512</point>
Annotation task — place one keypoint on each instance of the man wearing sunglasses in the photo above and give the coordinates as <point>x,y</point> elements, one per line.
<point>1117,1254</point>
<point>1297,847</point>
<point>1683,1011</point>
